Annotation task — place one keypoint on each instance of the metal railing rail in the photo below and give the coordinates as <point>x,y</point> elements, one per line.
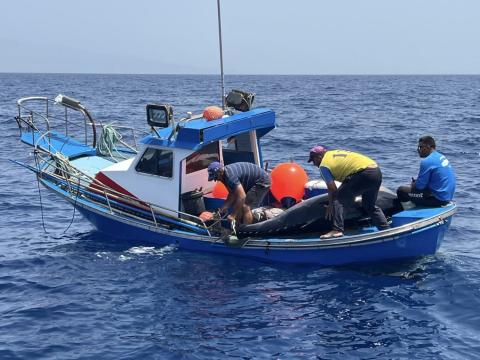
<point>27,117</point>
<point>79,183</point>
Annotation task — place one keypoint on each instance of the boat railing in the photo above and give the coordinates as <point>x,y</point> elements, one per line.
<point>79,184</point>
<point>41,115</point>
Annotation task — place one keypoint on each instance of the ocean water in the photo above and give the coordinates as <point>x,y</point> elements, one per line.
<point>68,292</point>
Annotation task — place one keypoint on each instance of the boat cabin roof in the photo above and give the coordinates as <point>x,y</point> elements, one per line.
<point>196,133</point>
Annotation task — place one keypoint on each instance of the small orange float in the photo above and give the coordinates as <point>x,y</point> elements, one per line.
<point>212,113</point>
<point>219,190</point>
<point>206,216</point>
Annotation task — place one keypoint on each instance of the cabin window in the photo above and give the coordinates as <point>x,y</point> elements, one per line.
<point>200,160</point>
<point>238,148</point>
<point>156,162</point>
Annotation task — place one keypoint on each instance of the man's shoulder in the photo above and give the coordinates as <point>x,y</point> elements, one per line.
<point>432,160</point>
<point>230,170</point>
<point>339,152</point>
<point>244,166</point>
<point>433,157</point>
<point>235,167</point>
<point>241,168</point>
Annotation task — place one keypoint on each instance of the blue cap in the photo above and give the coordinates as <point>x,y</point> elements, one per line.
<point>212,170</point>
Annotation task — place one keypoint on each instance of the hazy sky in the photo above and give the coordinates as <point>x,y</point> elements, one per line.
<point>259,36</point>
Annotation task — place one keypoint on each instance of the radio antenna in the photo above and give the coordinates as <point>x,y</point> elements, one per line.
<point>221,53</point>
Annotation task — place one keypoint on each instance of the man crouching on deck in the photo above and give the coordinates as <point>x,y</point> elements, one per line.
<point>247,186</point>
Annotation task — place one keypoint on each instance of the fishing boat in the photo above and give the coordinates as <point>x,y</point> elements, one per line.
<point>152,186</point>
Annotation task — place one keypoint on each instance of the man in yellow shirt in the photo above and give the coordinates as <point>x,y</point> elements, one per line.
<point>359,175</point>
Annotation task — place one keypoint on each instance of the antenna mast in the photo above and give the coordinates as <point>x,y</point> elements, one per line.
<point>221,53</point>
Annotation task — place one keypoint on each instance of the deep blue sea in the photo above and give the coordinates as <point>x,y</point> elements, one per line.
<point>73,293</point>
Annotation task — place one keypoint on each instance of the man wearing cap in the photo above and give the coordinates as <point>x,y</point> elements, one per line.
<point>359,175</point>
<point>247,186</point>
<point>435,184</point>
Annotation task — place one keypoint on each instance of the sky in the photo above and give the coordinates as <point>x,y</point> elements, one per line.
<point>259,36</point>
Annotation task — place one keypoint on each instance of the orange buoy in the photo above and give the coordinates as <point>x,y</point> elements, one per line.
<point>212,113</point>
<point>219,190</point>
<point>288,180</point>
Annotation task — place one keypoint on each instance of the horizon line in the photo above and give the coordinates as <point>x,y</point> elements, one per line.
<point>238,74</point>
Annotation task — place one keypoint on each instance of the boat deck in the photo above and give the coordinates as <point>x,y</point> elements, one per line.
<point>55,142</point>
<point>91,165</point>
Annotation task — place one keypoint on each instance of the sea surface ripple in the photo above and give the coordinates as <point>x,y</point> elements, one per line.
<point>77,294</point>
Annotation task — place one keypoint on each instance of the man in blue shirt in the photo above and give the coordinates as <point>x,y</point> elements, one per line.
<point>435,184</point>
<point>247,186</point>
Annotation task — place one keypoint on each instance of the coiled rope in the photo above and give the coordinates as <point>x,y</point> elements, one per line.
<point>108,140</point>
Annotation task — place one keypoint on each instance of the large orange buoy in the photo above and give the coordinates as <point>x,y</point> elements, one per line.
<point>288,181</point>
<point>219,190</point>
<point>212,113</point>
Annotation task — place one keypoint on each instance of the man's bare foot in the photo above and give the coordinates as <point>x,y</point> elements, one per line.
<point>332,234</point>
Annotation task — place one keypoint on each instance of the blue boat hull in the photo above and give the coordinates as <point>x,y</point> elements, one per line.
<point>419,242</point>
